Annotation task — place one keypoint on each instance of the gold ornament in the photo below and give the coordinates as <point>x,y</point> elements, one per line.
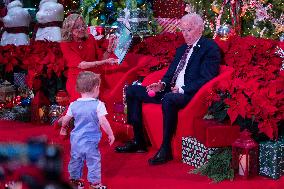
<point>279,28</point>
<point>263,1</point>
<point>215,8</point>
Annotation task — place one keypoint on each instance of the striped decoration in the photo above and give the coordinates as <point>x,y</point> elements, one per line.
<point>168,24</point>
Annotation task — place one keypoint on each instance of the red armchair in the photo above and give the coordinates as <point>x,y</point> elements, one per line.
<point>197,107</point>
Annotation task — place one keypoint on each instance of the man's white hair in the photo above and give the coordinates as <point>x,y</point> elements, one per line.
<point>195,19</point>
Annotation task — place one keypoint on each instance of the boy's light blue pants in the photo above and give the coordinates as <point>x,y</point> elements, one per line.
<point>79,153</point>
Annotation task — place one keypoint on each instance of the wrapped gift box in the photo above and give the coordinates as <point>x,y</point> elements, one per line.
<point>195,153</point>
<point>214,134</point>
<point>20,79</point>
<point>168,24</point>
<point>271,159</point>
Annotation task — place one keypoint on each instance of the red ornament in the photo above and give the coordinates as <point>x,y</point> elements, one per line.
<point>9,104</point>
<point>17,100</point>
<point>62,98</point>
<point>245,156</point>
<point>2,105</point>
<point>100,30</point>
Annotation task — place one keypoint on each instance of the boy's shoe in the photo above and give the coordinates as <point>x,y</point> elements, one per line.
<point>97,186</point>
<point>77,184</point>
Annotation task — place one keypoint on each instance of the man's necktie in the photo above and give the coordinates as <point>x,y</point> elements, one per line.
<point>180,66</point>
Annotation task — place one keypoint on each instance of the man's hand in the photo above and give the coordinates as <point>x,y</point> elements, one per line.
<point>174,90</point>
<point>156,87</point>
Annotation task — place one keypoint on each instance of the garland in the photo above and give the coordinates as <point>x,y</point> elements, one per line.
<point>218,167</point>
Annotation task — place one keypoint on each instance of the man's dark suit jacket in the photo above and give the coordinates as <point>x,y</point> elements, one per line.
<point>202,66</point>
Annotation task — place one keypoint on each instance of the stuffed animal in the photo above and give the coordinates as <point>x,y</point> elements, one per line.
<point>16,25</point>
<point>49,17</point>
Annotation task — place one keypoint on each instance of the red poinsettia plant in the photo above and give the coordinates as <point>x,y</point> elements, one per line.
<point>162,46</point>
<point>256,88</point>
<point>43,58</point>
<point>38,58</point>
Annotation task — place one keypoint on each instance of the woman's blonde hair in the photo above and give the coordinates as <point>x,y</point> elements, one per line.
<point>68,26</point>
<point>86,81</point>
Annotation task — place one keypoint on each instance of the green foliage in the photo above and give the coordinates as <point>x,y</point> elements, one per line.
<point>218,167</point>
<point>218,109</point>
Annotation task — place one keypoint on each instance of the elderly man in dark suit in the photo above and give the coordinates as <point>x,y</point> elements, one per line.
<point>195,63</point>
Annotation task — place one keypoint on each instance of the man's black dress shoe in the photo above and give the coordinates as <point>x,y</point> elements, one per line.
<point>131,147</point>
<point>161,157</point>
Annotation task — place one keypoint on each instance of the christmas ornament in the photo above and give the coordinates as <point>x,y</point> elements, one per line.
<point>103,18</point>
<point>2,105</point>
<point>140,2</point>
<point>26,101</point>
<point>100,30</point>
<point>224,32</point>
<point>215,8</point>
<point>17,100</point>
<point>110,6</point>
<point>62,98</point>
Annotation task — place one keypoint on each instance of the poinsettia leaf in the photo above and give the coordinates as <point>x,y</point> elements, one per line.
<point>233,114</point>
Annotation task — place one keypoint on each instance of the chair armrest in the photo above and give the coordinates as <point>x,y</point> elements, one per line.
<point>198,105</point>
<point>154,77</point>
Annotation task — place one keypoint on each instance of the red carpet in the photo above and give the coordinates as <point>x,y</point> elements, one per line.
<point>131,171</point>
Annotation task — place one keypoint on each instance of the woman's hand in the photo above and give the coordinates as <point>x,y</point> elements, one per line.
<point>111,61</point>
<point>112,43</point>
<point>84,65</point>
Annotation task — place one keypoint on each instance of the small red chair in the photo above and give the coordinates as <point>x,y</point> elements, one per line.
<point>197,108</point>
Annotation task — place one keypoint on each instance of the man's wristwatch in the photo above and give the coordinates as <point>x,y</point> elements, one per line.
<point>164,86</point>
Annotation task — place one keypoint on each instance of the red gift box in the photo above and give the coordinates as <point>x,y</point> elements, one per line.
<point>214,134</point>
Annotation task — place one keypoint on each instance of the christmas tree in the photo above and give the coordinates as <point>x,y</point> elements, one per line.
<point>101,12</point>
<point>263,18</point>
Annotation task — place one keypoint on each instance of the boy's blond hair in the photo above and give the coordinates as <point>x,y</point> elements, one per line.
<point>86,81</point>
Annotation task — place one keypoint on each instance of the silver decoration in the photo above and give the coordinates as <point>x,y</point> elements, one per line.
<point>224,31</point>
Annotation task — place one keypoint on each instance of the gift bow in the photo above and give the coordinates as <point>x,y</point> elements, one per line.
<point>125,20</point>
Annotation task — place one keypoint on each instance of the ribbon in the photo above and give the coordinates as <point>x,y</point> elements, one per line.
<point>126,18</point>
<point>20,29</point>
<point>50,24</point>
<point>45,25</point>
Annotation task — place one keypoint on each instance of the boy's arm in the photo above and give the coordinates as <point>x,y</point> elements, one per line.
<point>106,127</point>
<point>66,119</point>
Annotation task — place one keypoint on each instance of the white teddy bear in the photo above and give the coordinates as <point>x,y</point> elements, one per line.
<point>16,24</point>
<point>49,17</point>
